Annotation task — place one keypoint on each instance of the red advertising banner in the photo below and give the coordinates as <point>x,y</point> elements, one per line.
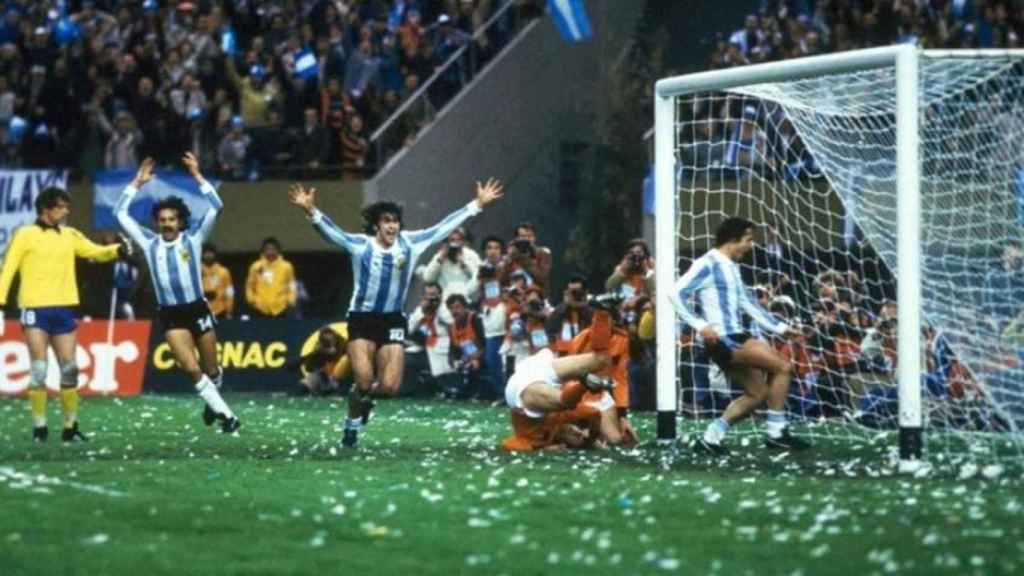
<point>116,368</point>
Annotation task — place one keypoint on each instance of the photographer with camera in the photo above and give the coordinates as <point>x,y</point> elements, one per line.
<point>455,265</point>
<point>466,335</point>
<point>523,255</point>
<point>526,324</point>
<point>634,276</point>
<point>428,327</point>
<point>324,369</point>
<point>570,317</point>
<point>494,314</point>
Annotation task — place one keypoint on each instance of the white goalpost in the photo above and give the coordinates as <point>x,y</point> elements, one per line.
<point>888,184</point>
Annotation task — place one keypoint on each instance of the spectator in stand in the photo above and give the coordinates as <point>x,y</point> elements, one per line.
<point>270,287</point>
<point>234,153</point>
<point>634,275</point>
<point>122,151</point>
<point>311,141</point>
<point>250,48</point>
<point>218,286</point>
<point>354,147</point>
<point>454,266</point>
<point>274,145</point>
<point>1004,286</point>
<point>524,255</point>
<point>149,110</point>
<point>256,94</point>
<point>570,317</point>
<point>362,69</point>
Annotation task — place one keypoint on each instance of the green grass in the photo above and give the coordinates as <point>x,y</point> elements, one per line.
<point>428,493</point>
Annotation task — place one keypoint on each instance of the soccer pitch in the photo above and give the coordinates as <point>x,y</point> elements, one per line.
<point>428,492</point>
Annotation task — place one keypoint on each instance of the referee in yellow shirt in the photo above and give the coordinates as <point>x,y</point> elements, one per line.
<point>43,254</point>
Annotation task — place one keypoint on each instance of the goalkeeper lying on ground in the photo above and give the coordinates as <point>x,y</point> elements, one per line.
<point>547,414</point>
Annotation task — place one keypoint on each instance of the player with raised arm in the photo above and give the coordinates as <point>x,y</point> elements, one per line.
<point>173,256</point>
<point>43,255</point>
<point>764,374</point>
<point>383,261</point>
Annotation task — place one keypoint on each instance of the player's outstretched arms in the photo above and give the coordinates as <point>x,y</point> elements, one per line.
<point>489,191</point>
<point>305,199</point>
<point>486,193</point>
<point>191,163</point>
<point>128,224</point>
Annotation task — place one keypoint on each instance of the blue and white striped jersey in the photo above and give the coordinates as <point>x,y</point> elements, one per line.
<point>382,275</point>
<point>173,266</point>
<point>716,281</point>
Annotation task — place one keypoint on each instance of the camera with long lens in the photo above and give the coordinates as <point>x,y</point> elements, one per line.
<point>535,306</point>
<point>487,270</point>
<point>454,251</point>
<point>523,246</point>
<point>636,261</point>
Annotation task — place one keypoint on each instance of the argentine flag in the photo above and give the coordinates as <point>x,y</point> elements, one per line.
<point>108,185</point>
<point>305,64</point>
<point>570,17</point>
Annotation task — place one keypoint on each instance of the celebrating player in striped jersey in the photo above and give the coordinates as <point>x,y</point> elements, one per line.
<point>173,256</point>
<point>383,261</point>
<point>765,375</point>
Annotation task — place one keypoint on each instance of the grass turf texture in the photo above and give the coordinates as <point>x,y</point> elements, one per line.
<point>427,492</point>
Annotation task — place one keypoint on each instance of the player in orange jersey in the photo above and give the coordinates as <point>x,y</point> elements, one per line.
<point>545,393</point>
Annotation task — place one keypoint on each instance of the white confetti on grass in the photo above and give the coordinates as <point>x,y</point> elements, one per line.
<point>96,539</point>
<point>41,483</point>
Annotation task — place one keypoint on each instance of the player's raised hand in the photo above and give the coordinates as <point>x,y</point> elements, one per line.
<point>191,163</point>
<point>303,197</point>
<point>145,173</point>
<point>489,191</point>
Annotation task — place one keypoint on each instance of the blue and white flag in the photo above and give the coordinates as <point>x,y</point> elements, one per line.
<point>306,65</point>
<point>108,185</point>
<point>649,192</point>
<point>18,192</point>
<point>570,17</point>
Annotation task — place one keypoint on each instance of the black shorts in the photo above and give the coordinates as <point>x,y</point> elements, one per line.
<point>721,351</point>
<point>194,317</point>
<point>379,328</point>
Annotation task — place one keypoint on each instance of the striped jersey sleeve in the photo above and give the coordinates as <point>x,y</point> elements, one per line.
<point>210,216</point>
<point>695,278</point>
<point>333,234</point>
<point>423,239</point>
<point>140,235</point>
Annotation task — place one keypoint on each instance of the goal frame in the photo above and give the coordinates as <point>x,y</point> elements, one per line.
<point>905,59</point>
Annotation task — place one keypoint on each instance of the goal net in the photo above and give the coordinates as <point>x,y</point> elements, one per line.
<point>814,162</point>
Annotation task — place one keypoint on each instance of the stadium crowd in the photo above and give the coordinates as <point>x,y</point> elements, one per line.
<point>795,28</point>
<point>250,85</point>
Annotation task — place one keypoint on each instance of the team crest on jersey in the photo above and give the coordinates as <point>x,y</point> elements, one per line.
<point>184,255</point>
<point>399,262</point>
